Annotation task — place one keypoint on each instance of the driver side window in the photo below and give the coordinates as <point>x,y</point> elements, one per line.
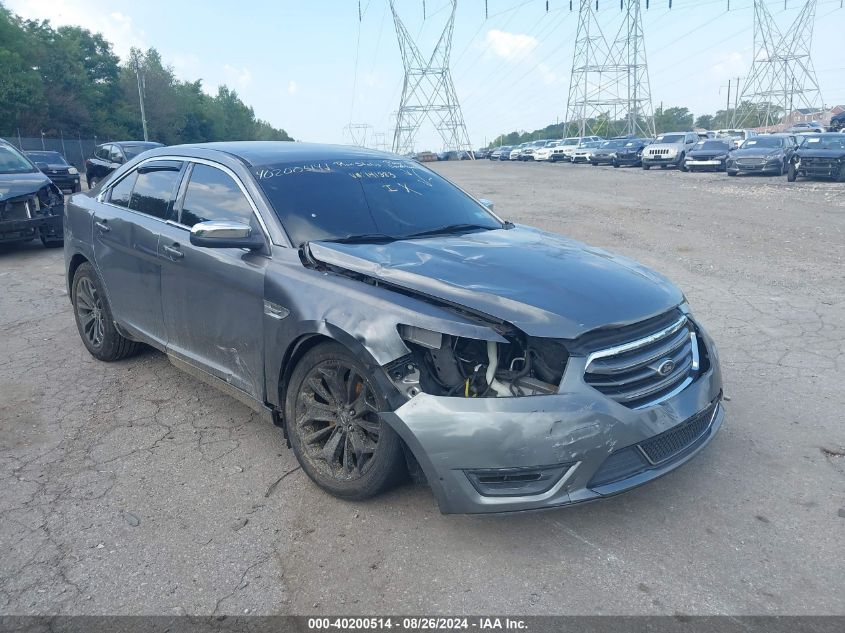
<point>213,195</point>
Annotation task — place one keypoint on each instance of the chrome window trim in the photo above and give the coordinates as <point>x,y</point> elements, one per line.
<point>187,159</point>
<point>626,347</point>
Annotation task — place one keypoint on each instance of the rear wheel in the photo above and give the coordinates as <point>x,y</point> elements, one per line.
<point>94,318</point>
<point>331,412</point>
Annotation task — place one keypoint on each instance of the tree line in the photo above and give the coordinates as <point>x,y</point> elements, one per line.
<point>672,119</point>
<point>69,79</point>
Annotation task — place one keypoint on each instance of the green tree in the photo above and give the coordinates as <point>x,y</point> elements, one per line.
<point>674,119</point>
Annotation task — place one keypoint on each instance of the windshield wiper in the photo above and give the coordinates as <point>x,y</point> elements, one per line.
<point>363,238</point>
<point>449,228</point>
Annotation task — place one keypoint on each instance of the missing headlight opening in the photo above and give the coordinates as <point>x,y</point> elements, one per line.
<point>471,368</point>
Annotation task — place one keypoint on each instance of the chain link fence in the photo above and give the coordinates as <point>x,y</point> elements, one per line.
<point>75,149</point>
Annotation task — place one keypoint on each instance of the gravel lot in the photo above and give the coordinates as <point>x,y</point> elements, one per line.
<point>131,488</point>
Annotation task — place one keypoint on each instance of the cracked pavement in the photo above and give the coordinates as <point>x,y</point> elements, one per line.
<point>131,488</point>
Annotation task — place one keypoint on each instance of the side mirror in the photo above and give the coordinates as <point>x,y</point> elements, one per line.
<point>217,234</point>
<point>487,203</point>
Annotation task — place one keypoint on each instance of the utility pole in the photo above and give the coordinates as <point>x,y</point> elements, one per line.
<point>728,106</point>
<point>610,77</point>
<point>782,75</point>
<point>139,75</point>
<point>428,91</point>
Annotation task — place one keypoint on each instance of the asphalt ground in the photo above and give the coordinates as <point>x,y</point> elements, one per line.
<point>131,488</point>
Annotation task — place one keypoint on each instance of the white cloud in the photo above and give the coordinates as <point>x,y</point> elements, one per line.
<point>549,76</point>
<point>729,65</point>
<point>116,27</point>
<point>293,87</point>
<point>237,78</point>
<point>509,46</point>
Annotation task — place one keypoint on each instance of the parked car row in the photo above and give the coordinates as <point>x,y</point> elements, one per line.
<point>812,155</point>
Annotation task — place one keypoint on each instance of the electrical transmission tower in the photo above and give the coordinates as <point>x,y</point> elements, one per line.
<point>782,76</point>
<point>427,91</point>
<point>358,133</point>
<point>609,89</point>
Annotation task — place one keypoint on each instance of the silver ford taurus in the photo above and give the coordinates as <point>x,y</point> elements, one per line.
<point>393,325</point>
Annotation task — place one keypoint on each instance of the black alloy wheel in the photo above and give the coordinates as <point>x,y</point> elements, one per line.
<point>333,422</point>
<point>94,318</point>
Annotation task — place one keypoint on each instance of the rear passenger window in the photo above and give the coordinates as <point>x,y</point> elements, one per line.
<point>122,191</point>
<point>213,195</point>
<point>155,189</point>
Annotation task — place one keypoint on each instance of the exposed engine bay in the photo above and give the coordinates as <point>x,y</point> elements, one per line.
<point>446,365</point>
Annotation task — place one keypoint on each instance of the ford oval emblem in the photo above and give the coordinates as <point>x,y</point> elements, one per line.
<point>665,367</point>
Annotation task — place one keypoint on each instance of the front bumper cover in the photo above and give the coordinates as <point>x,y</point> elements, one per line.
<point>573,431</point>
<point>51,226</point>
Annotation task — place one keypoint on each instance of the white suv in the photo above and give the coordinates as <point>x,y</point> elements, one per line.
<point>567,146</point>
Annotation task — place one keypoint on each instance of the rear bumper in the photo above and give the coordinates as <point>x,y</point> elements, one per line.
<point>569,438</point>
<point>51,226</point>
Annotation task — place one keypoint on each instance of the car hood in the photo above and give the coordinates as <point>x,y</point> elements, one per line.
<point>14,185</point>
<point>544,284</point>
<point>756,152</point>
<point>706,153</point>
<point>822,153</point>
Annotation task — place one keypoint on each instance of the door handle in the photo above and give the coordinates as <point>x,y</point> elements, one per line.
<point>173,252</point>
<point>104,228</point>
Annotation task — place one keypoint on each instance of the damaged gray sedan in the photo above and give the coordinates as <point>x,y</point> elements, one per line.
<point>392,324</point>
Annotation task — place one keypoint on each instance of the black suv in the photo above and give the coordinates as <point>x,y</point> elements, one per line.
<point>837,123</point>
<point>109,156</point>
<point>53,165</point>
<point>30,205</point>
<point>819,156</point>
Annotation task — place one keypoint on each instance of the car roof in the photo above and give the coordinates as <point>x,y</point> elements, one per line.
<point>256,153</point>
<point>150,143</point>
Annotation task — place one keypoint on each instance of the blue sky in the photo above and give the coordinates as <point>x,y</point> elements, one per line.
<point>296,63</point>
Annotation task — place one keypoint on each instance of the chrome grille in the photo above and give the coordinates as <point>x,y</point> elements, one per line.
<point>658,152</point>
<point>647,370</point>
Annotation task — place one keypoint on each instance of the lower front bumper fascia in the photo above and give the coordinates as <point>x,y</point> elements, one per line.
<point>51,225</point>
<point>578,427</point>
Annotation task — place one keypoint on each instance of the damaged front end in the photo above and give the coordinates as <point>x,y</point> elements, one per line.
<point>37,213</point>
<point>502,420</point>
<point>444,365</point>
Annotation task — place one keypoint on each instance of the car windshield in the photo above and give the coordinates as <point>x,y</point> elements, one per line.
<point>131,151</point>
<point>712,145</point>
<point>633,143</point>
<point>13,162</point>
<point>670,138</point>
<point>53,158</point>
<point>570,141</point>
<point>384,198</point>
<point>824,142</point>
<point>765,141</point>
<point>612,144</point>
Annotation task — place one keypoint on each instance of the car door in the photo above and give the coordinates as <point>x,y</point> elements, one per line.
<point>127,225</point>
<point>213,298</point>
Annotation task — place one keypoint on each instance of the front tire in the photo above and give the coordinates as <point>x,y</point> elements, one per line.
<point>331,413</point>
<point>94,318</point>
<point>792,174</point>
<point>732,172</point>
<point>646,167</point>
<point>841,176</point>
